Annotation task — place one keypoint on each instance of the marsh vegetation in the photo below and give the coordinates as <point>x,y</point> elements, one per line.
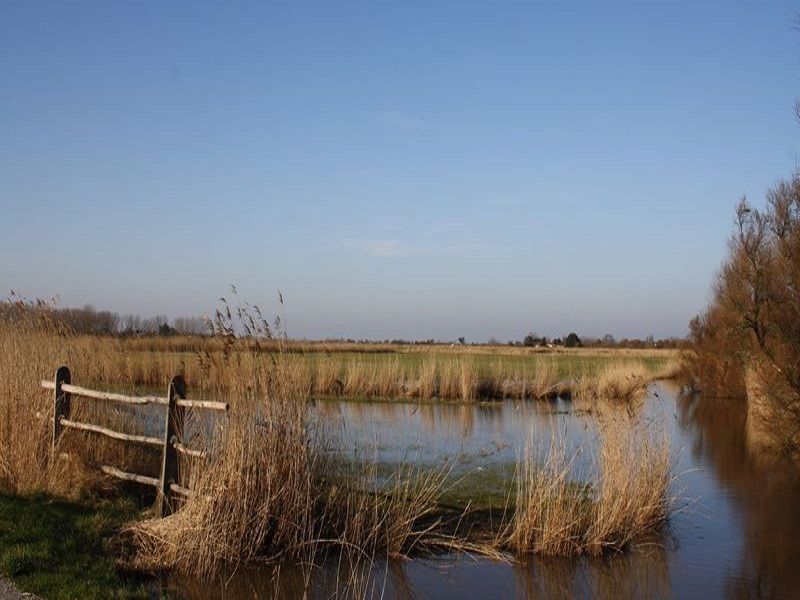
<point>277,485</point>
<point>316,493</point>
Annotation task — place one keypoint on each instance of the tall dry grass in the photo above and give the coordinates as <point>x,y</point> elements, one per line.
<point>426,372</point>
<point>30,349</point>
<point>622,381</point>
<point>271,492</point>
<point>625,497</point>
<point>428,385</point>
<point>271,489</point>
<point>327,380</point>
<point>254,495</point>
<point>543,384</point>
<point>446,378</point>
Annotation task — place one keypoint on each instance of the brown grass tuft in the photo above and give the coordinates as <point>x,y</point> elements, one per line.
<point>625,497</point>
<point>622,382</point>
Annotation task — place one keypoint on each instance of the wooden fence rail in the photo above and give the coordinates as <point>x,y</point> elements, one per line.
<point>176,403</point>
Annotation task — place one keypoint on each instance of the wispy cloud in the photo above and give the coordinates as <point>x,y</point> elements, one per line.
<point>405,236</point>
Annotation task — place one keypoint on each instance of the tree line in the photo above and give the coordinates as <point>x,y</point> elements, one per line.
<point>88,320</point>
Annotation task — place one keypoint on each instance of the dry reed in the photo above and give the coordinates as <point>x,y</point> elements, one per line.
<point>625,381</point>
<point>270,490</point>
<point>625,497</point>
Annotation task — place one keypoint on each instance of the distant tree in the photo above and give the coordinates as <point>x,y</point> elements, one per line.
<point>573,341</point>
<point>153,324</point>
<point>462,340</point>
<point>529,340</point>
<point>131,324</point>
<point>190,325</point>
<point>608,339</point>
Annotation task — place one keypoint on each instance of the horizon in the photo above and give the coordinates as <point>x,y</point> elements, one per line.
<point>149,324</point>
<point>412,173</point>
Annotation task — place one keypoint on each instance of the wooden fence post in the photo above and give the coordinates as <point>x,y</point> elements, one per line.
<point>60,401</point>
<point>173,432</point>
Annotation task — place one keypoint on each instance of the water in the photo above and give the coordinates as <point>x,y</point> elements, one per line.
<point>737,532</point>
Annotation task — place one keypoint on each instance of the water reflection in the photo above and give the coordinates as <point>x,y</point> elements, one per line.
<point>470,435</point>
<point>764,493</point>
<point>738,536</point>
<point>642,573</point>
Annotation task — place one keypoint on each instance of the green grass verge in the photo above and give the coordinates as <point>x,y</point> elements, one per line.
<point>59,549</point>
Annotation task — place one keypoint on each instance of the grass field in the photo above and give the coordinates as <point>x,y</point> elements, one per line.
<point>60,549</point>
<point>386,370</point>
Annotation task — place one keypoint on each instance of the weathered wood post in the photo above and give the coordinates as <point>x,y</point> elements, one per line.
<point>173,433</point>
<point>60,401</point>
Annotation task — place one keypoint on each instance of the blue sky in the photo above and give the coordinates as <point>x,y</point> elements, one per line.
<point>415,170</point>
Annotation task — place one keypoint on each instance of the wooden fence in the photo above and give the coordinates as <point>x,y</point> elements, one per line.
<point>167,485</point>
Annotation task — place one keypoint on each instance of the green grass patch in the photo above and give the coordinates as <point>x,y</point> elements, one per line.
<point>59,549</point>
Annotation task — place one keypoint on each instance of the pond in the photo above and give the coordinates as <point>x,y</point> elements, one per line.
<point>736,531</point>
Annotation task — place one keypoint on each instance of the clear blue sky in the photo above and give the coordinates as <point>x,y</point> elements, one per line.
<point>416,169</point>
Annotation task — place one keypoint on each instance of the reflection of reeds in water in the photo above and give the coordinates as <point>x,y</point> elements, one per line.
<point>641,573</point>
<point>467,421</point>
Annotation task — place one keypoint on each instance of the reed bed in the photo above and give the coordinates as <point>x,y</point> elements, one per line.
<point>621,382</point>
<point>450,378</point>
<point>191,344</point>
<point>464,378</point>
<point>624,497</point>
<point>272,490</point>
<point>269,490</point>
<point>254,496</point>
<point>426,372</point>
